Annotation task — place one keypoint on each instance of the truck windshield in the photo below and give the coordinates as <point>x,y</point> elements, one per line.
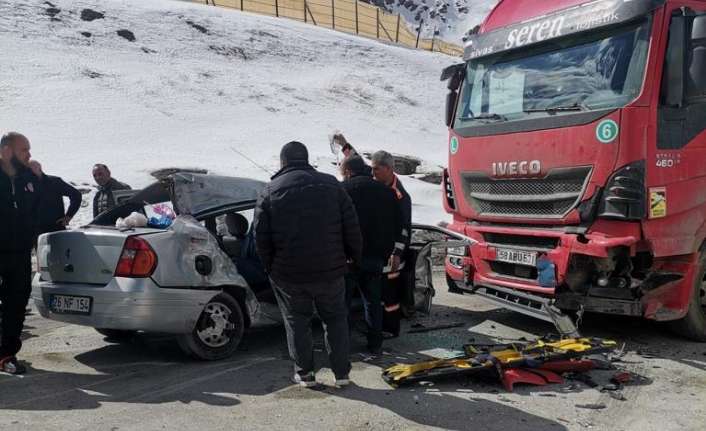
<point>598,71</point>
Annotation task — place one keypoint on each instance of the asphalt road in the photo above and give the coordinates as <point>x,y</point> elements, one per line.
<point>78,380</point>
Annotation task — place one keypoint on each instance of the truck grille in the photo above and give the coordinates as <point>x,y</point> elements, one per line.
<point>542,242</point>
<point>550,197</point>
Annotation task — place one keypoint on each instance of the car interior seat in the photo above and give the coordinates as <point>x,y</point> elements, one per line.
<point>237,227</point>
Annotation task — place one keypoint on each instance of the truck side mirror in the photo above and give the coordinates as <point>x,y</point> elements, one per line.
<point>673,79</point>
<point>454,75</point>
<point>450,105</point>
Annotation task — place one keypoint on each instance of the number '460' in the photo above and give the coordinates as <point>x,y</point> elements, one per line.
<point>665,163</point>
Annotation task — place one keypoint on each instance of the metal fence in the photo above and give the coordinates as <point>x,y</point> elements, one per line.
<point>350,16</point>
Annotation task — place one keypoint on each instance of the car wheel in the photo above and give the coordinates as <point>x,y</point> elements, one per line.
<point>451,284</point>
<point>218,331</point>
<point>693,325</point>
<point>117,335</point>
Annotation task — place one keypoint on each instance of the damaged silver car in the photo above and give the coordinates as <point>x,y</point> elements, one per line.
<point>197,278</point>
<point>178,279</point>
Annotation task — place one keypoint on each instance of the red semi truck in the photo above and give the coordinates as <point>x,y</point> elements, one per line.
<point>577,159</point>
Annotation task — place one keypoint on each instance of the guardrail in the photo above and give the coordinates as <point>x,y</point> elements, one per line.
<point>349,16</point>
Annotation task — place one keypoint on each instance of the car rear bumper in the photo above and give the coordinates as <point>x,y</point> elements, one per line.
<point>128,304</point>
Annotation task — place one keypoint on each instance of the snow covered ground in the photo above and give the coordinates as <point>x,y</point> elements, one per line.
<point>198,81</point>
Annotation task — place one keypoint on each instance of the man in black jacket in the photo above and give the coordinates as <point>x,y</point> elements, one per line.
<point>306,230</point>
<point>19,204</point>
<point>380,221</point>
<point>104,199</point>
<point>52,217</point>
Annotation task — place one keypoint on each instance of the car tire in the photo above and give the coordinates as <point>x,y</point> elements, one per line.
<point>218,331</point>
<point>693,325</point>
<point>117,335</point>
<point>451,284</point>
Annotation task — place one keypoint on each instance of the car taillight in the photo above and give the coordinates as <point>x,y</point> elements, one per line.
<point>137,259</point>
<point>624,195</point>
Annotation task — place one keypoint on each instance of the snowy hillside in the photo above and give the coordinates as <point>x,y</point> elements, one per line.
<point>197,82</point>
<point>450,19</point>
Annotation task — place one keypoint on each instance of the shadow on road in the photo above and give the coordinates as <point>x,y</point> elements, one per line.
<point>152,370</point>
<point>451,412</point>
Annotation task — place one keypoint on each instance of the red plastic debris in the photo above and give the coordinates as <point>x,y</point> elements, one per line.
<point>569,366</point>
<point>549,376</point>
<point>513,376</point>
<point>622,377</point>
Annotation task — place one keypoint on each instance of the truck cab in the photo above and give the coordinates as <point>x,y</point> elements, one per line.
<point>577,159</point>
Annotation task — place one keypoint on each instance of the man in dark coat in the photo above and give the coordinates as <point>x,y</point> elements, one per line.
<point>19,205</point>
<point>52,215</point>
<point>104,199</point>
<point>380,221</point>
<point>398,287</point>
<point>306,231</point>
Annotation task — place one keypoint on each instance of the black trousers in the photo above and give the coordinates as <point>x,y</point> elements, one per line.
<point>297,302</point>
<point>15,288</point>
<point>370,286</point>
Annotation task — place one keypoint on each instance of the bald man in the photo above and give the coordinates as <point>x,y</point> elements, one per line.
<point>19,205</point>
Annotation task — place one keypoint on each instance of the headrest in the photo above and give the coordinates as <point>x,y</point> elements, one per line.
<point>237,225</point>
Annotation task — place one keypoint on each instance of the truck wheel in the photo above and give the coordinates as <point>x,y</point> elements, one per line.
<point>117,335</point>
<point>693,325</point>
<point>218,330</point>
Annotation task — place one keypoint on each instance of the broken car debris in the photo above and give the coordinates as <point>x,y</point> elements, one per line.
<point>539,363</point>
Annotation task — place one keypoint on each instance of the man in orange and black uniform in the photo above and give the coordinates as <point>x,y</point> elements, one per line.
<point>383,163</point>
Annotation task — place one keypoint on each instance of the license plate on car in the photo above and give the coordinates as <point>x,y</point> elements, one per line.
<point>69,304</point>
<point>528,258</point>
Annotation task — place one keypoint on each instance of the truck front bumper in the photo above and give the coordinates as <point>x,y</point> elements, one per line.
<point>480,272</point>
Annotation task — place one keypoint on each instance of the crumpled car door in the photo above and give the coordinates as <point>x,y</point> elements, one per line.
<point>430,244</point>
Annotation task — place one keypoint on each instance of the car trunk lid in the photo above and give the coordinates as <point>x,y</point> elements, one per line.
<point>88,255</point>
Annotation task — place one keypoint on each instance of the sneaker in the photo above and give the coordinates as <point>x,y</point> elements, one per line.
<point>11,365</point>
<point>345,381</point>
<point>306,381</point>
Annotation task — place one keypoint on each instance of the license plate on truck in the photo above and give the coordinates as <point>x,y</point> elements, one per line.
<point>520,257</point>
<point>68,304</point>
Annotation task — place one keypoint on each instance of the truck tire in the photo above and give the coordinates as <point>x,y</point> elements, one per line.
<point>218,331</point>
<point>117,335</point>
<point>693,325</point>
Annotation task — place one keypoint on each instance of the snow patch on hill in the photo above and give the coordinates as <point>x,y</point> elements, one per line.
<point>192,83</point>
